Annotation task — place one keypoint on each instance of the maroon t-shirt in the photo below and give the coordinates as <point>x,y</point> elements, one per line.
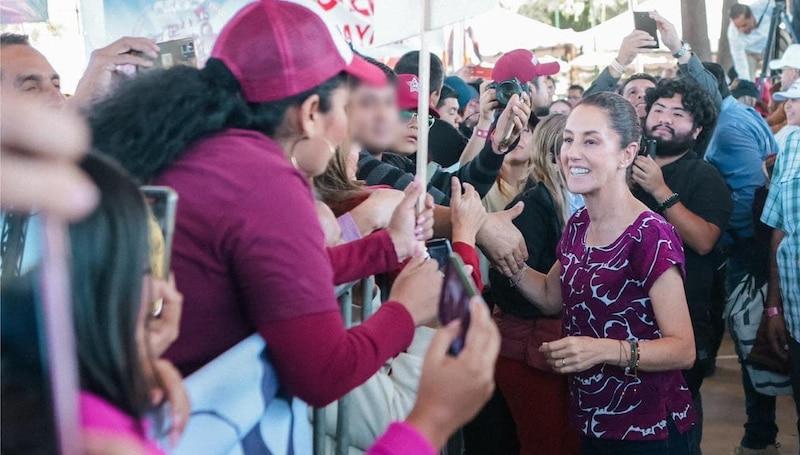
<point>606,295</point>
<point>249,255</point>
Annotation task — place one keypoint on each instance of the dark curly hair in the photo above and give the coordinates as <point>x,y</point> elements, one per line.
<point>152,119</point>
<point>695,101</point>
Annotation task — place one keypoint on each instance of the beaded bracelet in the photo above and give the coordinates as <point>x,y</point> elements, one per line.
<point>514,281</point>
<point>633,362</point>
<point>673,199</point>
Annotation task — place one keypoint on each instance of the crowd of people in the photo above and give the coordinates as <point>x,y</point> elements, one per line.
<point>606,233</point>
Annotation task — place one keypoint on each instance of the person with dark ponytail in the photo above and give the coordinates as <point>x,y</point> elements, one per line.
<point>238,141</point>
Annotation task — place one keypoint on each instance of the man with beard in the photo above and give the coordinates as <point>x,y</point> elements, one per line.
<point>691,195</point>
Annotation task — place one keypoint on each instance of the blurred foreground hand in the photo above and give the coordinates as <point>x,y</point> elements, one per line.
<point>38,167</point>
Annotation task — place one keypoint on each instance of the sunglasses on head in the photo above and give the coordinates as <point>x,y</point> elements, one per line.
<point>408,117</point>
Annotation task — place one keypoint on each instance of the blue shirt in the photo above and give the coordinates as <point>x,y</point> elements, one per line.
<point>782,211</point>
<point>738,148</point>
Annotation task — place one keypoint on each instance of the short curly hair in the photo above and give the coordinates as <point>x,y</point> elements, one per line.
<point>695,101</point>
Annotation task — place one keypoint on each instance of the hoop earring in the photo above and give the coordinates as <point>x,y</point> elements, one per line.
<point>331,147</point>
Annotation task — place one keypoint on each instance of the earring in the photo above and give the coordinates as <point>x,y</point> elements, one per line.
<point>294,162</point>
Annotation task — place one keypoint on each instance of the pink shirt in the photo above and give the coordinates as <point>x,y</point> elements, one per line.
<point>401,438</point>
<point>101,418</point>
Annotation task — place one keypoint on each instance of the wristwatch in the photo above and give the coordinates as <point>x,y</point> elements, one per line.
<point>686,47</point>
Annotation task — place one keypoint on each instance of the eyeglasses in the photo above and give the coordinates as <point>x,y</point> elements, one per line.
<point>408,117</point>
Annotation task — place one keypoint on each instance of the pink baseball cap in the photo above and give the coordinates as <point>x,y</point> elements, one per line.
<point>523,65</point>
<point>281,48</point>
<point>408,94</point>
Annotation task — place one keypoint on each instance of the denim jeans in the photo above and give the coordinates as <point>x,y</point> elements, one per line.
<point>760,429</point>
<point>694,380</point>
<point>794,352</point>
<point>676,444</point>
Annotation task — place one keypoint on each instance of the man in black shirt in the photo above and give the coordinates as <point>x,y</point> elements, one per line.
<point>690,194</point>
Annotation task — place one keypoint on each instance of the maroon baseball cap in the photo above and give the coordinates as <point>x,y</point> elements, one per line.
<point>281,48</point>
<point>523,65</point>
<point>408,94</point>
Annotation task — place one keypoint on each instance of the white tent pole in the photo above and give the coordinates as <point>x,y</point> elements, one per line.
<point>424,101</point>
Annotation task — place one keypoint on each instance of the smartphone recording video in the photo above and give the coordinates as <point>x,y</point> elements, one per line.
<point>643,21</point>
<point>457,290</point>
<point>175,52</point>
<point>648,148</point>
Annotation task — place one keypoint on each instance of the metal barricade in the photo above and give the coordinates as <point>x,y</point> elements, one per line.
<point>342,439</point>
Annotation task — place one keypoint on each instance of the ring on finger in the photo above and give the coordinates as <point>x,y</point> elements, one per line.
<point>563,363</point>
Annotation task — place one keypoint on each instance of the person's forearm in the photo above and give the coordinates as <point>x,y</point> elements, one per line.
<point>536,288</point>
<point>482,172</point>
<point>475,144</point>
<point>359,259</point>
<point>696,232</point>
<point>665,354</point>
<point>335,360</point>
<point>691,66</point>
<point>442,224</point>
<point>363,220</point>
<point>740,63</point>
<point>605,82</point>
<point>774,288</point>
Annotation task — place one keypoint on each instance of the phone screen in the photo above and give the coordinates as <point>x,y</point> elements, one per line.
<point>163,202</point>
<point>644,22</point>
<point>440,250</point>
<point>457,290</point>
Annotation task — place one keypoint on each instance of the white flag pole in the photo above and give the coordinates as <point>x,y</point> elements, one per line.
<point>424,102</point>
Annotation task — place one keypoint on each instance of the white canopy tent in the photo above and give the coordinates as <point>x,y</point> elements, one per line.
<point>501,30</point>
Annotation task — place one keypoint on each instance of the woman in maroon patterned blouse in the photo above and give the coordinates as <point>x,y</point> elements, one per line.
<point>619,281</point>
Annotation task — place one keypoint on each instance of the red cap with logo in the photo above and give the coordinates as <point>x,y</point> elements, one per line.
<point>281,48</point>
<point>408,94</point>
<point>523,65</point>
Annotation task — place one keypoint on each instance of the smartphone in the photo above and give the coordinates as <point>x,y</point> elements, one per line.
<point>481,72</point>
<point>163,202</point>
<point>457,290</point>
<point>440,250</point>
<point>40,385</point>
<point>643,21</point>
<point>648,148</point>
<point>175,52</point>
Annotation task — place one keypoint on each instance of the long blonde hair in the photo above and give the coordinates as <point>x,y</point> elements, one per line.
<point>547,139</point>
<point>335,185</point>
